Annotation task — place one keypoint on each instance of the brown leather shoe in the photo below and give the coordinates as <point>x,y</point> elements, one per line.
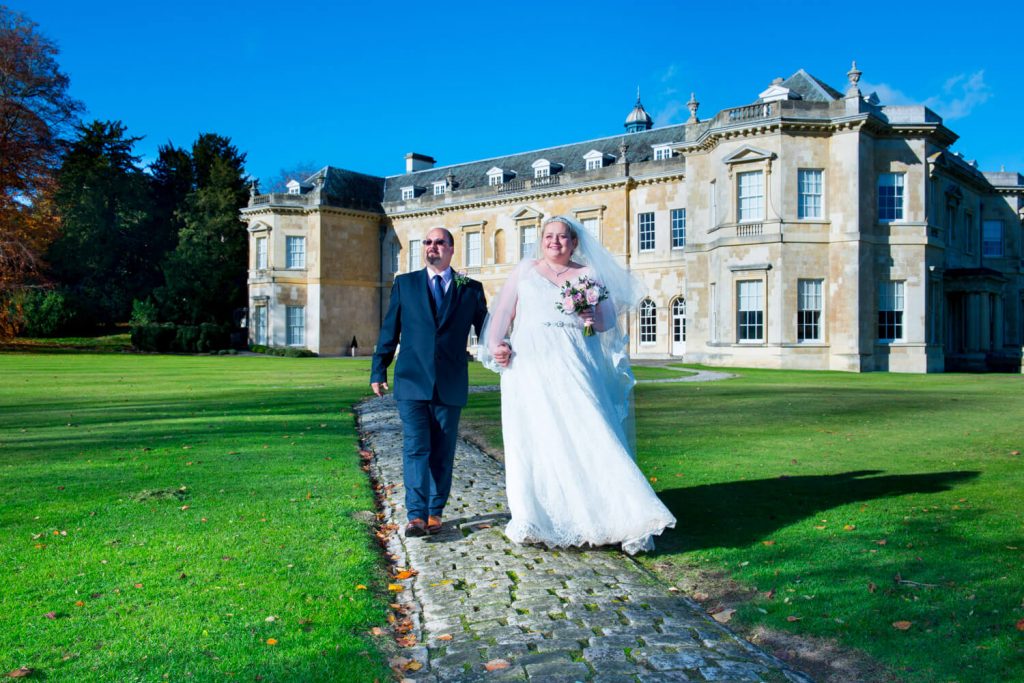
<point>415,528</point>
<point>434,524</point>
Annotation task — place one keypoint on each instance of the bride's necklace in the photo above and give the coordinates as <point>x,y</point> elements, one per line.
<point>557,273</point>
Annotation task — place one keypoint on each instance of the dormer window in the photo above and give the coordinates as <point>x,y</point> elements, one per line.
<point>408,192</point>
<point>662,152</point>
<point>294,187</point>
<point>498,176</point>
<point>542,168</point>
<point>595,159</point>
<point>440,187</point>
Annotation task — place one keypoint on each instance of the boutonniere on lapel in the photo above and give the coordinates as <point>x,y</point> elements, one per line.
<point>459,278</point>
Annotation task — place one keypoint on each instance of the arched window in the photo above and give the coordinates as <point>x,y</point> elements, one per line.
<point>679,320</point>
<point>648,322</point>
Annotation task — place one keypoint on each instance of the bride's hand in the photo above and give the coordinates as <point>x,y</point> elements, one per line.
<point>502,354</point>
<point>587,316</point>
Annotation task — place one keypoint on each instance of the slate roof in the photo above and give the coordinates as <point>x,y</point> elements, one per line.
<point>360,191</point>
<point>474,173</point>
<point>349,189</point>
<point>810,88</point>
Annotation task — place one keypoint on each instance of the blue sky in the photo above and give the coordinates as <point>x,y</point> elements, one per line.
<point>358,84</point>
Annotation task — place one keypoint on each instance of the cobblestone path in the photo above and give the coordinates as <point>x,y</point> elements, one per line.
<point>528,613</point>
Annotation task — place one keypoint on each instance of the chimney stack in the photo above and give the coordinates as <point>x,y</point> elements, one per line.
<point>418,162</point>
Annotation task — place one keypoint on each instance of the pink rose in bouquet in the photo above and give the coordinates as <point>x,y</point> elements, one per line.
<point>577,298</point>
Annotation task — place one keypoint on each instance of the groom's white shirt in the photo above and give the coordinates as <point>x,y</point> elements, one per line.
<point>446,277</point>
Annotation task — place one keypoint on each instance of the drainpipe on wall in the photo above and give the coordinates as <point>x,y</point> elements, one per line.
<point>627,231</point>
<point>382,232</point>
<point>981,234</point>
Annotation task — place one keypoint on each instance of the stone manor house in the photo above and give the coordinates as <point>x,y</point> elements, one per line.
<point>809,229</point>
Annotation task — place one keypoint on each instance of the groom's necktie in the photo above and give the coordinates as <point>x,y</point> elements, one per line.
<point>437,292</point>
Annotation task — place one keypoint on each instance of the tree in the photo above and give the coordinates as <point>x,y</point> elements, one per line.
<point>102,256</point>
<point>172,178</point>
<point>206,273</point>
<point>35,113</point>
<point>299,171</point>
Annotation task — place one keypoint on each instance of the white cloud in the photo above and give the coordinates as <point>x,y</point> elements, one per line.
<point>886,93</point>
<point>960,95</point>
<point>668,108</point>
<point>670,113</point>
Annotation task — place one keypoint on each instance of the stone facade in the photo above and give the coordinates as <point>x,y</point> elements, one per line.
<point>811,229</point>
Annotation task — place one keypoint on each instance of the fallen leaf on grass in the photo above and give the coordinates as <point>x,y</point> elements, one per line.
<point>50,615</point>
<point>406,641</point>
<point>1020,624</point>
<point>769,543</point>
<point>22,672</point>
<point>496,665</point>
<point>902,625</point>
<point>849,527</point>
<point>271,619</point>
<point>723,616</point>
<point>79,603</point>
<point>376,631</point>
<point>271,641</point>
<point>360,587</point>
<point>414,666</point>
<point>448,636</point>
<point>396,587</point>
<point>405,574</point>
<point>820,527</point>
<point>872,587</point>
<point>792,618</point>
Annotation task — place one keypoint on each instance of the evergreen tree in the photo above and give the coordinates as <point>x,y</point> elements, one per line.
<point>102,256</point>
<point>172,178</point>
<point>206,273</point>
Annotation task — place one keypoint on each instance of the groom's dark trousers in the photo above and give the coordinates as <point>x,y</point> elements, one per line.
<point>431,379</point>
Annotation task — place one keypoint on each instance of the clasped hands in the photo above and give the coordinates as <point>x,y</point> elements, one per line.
<point>502,354</point>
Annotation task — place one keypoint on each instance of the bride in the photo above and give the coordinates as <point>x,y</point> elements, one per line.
<point>566,415</point>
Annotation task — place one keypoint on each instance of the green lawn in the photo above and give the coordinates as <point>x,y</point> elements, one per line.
<point>850,503</point>
<point>157,510</point>
<point>175,517</point>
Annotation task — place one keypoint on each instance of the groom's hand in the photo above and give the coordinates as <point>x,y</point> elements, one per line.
<point>379,387</point>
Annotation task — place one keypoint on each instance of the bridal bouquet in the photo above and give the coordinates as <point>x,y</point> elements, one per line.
<point>576,298</point>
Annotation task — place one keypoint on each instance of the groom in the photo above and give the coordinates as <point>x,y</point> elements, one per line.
<point>430,312</point>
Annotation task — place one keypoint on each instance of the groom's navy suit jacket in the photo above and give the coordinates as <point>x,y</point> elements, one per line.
<point>433,353</point>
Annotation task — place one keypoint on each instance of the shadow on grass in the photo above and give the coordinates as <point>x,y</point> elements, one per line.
<point>737,513</point>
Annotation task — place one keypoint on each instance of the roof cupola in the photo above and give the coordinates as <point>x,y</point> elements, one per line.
<point>638,119</point>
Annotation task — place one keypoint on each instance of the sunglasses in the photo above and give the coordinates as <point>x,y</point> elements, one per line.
<point>439,243</point>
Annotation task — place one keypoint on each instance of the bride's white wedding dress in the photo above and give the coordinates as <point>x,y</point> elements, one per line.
<point>570,476</point>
